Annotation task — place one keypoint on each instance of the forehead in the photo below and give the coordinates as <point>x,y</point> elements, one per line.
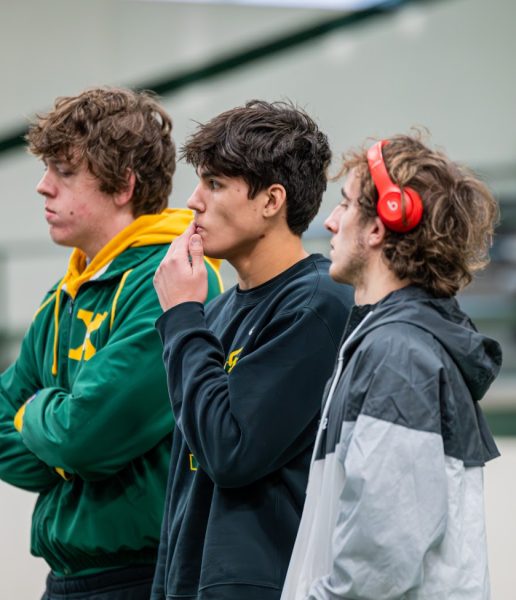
<point>232,180</point>
<point>70,156</point>
<point>207,171</point>
<point>351,187</point>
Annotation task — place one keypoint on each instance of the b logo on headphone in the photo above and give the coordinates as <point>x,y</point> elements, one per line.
<point>399,210</point>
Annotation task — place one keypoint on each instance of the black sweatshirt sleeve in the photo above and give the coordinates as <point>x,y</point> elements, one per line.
<point>245,424</point>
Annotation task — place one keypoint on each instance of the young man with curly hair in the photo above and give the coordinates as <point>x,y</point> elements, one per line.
<point>84,412</point>
<point>394,505</point>
<point>245,375</point>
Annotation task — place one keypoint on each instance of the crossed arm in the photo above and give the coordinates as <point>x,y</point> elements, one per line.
<point>115,409</point>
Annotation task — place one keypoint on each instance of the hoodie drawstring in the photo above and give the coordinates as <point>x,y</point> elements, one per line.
<point>56,324</point>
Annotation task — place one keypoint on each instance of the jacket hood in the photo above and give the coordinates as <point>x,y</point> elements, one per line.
<point>478,357</point>
<point>146,230</point>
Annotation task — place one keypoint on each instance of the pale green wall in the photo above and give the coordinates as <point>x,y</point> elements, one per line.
<point>446,65</point>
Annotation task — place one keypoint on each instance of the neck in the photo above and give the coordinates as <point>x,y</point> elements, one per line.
<point>112,229</point>
<point>377,282</point>
<point>276,252</point>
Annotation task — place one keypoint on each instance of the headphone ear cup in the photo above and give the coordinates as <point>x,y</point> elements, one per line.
<point>389,208</point>
<point>397,213</point>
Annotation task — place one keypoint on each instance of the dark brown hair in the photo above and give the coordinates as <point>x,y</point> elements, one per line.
<point>267,143</point>
<point>115,131</point>
<point>452,240</point>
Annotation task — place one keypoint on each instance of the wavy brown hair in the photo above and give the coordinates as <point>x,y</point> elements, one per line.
<point>115,131</point>
<point>452,241</point>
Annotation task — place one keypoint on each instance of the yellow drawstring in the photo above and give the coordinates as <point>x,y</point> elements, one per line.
<point>115,299</point>
<point>56,324</point>
<point>47,301</point>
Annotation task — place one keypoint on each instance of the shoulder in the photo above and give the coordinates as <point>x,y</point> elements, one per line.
<point>310,297</point>
<point>141,261</point>
<point>131,283</point>
<point>315,291</point>
<point>398,356</point>
<point>311,287</point>
<point>396,374</point>
<point>329,290</point>
<point>221,300</point>
<point>396,342</point>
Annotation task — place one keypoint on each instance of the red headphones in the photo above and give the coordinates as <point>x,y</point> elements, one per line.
<point>399,209</point>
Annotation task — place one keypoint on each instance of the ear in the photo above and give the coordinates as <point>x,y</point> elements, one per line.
<point>376,233</point>
<point>124,197</point>
<point>275,200</point>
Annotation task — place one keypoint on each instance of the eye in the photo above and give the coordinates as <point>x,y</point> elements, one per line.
<point>65,172</point>
<point>214,184</point>
<point>64,169</point>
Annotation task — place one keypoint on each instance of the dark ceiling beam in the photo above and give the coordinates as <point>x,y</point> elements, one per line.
<point>14,139</point>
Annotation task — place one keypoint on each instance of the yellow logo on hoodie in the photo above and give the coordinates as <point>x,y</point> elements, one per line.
<point>86,350</point>
<point>232,360</point>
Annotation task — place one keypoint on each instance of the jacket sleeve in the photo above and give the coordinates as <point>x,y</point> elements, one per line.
<point>244,424</point>
<point>392,507</point>
<point>117,408</point>
<point>18,465</point>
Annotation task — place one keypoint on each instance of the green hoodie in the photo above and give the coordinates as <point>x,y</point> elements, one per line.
<point>89,396</point>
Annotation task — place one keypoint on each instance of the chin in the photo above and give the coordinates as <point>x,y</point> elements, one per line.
<point>337,274</point>
<point>213,252</point>
<point>61,241</point>
<point>334,271</point>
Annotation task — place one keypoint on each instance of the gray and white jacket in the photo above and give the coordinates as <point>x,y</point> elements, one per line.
<point>394,507</point>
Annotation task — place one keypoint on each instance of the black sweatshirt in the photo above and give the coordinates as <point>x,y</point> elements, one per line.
<point>245,381</point>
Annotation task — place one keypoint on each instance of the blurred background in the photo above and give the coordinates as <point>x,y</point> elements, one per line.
<point>361,68</point>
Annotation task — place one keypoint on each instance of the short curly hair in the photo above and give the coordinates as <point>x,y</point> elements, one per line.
<point>114,130</point>
<point>266,143</point>
<point>452,241</point>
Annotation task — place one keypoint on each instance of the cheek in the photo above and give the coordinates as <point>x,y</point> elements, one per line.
<point>228,219</point>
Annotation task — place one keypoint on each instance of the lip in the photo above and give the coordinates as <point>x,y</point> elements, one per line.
<point>49,214</point>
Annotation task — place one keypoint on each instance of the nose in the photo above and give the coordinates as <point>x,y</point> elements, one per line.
<point>195,201</point>
<point>46,186</point>
<point>331,222</point>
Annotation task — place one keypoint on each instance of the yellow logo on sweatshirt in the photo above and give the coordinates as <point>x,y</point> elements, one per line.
<point>194,465</point>
<point>232,360</point>
<point>86,350</point>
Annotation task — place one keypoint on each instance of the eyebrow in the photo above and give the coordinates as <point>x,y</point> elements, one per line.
<point>344,195</point>
<point>206,174</point>
<point>59,161</point>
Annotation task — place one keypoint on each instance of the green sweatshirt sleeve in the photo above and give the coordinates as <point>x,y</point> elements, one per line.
<point>117,408</point>
<point>18,465</point>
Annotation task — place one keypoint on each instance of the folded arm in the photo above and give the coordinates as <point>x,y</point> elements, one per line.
<point>117,408</point>
<point>247,423</point>
<point>18,465</point>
